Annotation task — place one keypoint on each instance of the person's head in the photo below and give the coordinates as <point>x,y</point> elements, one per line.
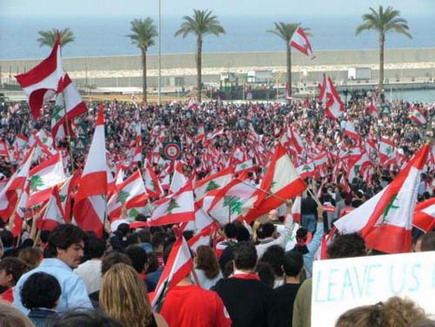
<point>138,257</point>
<point>95,248</point>
<point>245,256</point>
<point>293,262</point>
<point>346,246</point>
<point>132,239</point>
<point>12,317</point>
<point>7,238</point>
<point>206,260</point>
<point>273,215</point>
<point>158,241</point>
<point>265,230</point>
<point>66,242</point>
<point>144,235</point>
<point>301,240</point>
<point>90,318</point>
<point>11,270</point>
<point>123,230</point>
<point>425,243</point>
<point>40,290</point>
<point>274,255</point>
<point>265,272</point>
<point>123,296</point>
<point>112,258</point>
<point>31,256</point>
<point>396,312</point>
<point>230,230</point>
<point>242,234</point>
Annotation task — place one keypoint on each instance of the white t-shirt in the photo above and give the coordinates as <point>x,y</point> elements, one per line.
<point>90,272</point>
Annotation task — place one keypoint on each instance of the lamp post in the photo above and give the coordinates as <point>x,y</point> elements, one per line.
<point>159,97</point>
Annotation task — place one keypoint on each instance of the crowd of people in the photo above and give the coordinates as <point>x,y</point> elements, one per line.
<point>248,274</point>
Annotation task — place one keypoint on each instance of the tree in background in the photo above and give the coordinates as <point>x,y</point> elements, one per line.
<point>383,21</point>
<point>202,23</point>
<point>48,38</point>
<point>143,36</point>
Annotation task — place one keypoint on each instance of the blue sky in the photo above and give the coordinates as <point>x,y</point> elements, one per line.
<point>49,8</point>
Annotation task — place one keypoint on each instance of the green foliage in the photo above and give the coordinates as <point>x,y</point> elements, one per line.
<point>144,33</point>
<point>48,38</point>
<point>202,23</point>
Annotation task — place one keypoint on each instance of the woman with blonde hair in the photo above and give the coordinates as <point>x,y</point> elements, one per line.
<point>12,317</point>
<point>123,296</point>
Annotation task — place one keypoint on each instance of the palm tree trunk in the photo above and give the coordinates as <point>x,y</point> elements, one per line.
<point>199,67</point>
<point>289,70</point>
<point>381,62</point>
<point>144,75</point>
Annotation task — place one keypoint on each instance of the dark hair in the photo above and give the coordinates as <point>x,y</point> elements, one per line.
<point>62,237</point>
<point>123,229</point>
<point>132,239</point>
<point>153,263</point>
<point>15,267</point>
<point>428,242</point>
<point>138,257</point>
<point>346,246</point>
<point>144,235</point>
<point>40,290</point>
<point>95,248</point>
<point>274,256</point>
<point>301,239</point>
<point>113,258</point>
<point>157,239</point>
<point>7,238</point>
<point>242,234</point>
<point>265,230</point>
<point>90,318</point>
<point>230,230</point>
<point>265,272</point>
<point>206,260</point>
<point>167,250</point>
<point>245,255</point>
<point>293,262</point>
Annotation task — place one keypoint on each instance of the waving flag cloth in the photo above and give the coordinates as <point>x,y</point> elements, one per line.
<point>296,209</point>
<point>175,208</point>
<point>385,220</point>
<point>68,101</point>
<point>43,178</point>
<point>418,116</point>
<point>334,107</point>
<point>11,193</point>
<point>17,218</point>
<point>178,266</point>
<point>131,197</point>
<point>300,42</point>
<point>349,130</point>
<point>213,182</point>
<point>178,178</point>
<point>280,183</point>
<point>90,207</point>
<point>152,183</point>
<point>424,215</point>
<point>42,81</point>
<point>54,214</point>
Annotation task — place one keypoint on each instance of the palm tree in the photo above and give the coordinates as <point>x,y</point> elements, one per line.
<point>285,31</point>
<point>49,37</point>
<point>144,33</point>
<point>383,21</point>
<point>202,23</point>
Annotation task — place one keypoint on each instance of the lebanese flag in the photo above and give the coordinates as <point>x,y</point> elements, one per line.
<point>90,201</point>
<point>233,201</point>
<point>17,218</point>
<point>418,116</point>
<point>349,130</point>
<point>178,178</point>
<point>213,182</point>
<point>372,108</point>
<point>245,166</point>
<point>334,107</point>
<point>306,170</point>
<point>54,214</point>
<point>385,221</point>
<point>178,266</point>
<point>10,194</point>
<point>131,197</point>
<point>357,166</point>
<point>200,135</point>
<point>66,195</point>
<point>424,215</point>
<point>175,208</point>
<point>300,42</point>
<point>44,177</point>
<point>203,226</point>
<point>296,209</point>
<point>152,183</point>
<point>43,78</point>
<point>386,149</point>
<point>68,100</point>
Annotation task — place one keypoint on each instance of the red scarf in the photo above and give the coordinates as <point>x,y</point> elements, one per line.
<point>247,276</point>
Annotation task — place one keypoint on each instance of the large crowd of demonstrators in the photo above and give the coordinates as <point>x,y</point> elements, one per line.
<point>247,274</point>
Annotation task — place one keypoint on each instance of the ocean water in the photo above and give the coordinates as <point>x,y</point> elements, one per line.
<point>106,36</point>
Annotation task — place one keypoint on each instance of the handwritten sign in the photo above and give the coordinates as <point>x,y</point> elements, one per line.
<point>343,284</point>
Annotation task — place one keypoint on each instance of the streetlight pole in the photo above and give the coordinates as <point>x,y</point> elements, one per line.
<point>159,100</point>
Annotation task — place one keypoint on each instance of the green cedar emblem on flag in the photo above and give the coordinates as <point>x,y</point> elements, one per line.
<point>234,204</point>
<point>211,186</point>
<point>389,207</point>
<point>122,197</point>
<point>36,182</point>
<point>171,206</point>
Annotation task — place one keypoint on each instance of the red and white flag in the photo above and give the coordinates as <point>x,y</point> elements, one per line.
<point>178,266</point>
<point>43,80</point>
<point>385,221</point>
<point>386,150</point>
<point>418,116</point>
<point>54,214</point>
<point>349,130</point>
<point>90,202</point>
<point>44,177</point>
<point>300,42</point>
<point>296,209</point>
<point>213,182</point>
<point>332,103</point>
<point>152,183</point>
<point>175,208</point>
<point>178,178</point>
<point>372,109</point>
<point>424,215</point>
